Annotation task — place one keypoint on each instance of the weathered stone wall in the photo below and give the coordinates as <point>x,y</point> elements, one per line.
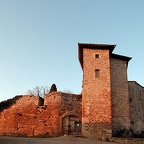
<point>71,105</point>
<point>26,117</point>
<point>120,96</point>
<point>14,119</point>
<point>7,122</point>
<point>96,94</point>
<point>136,101</point>
<point>66,105</point>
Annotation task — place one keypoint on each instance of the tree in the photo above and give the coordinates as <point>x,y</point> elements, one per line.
<point>53,88</point>
<point>67,91</point>
<point>39,91</point>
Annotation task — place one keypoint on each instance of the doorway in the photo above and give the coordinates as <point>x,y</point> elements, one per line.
<point>70,125</point>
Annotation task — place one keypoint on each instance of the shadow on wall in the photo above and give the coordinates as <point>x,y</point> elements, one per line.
<point>128,133</point>
<point>97,129</point>
<point>40,101</point>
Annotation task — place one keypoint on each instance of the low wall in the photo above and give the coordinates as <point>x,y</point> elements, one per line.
<point>26,117</point>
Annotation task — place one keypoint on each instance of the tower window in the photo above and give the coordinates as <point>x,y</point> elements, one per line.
<point>132,122</point>
<point>96,55</point>
<point>130,99</point>
<point>97,73</point>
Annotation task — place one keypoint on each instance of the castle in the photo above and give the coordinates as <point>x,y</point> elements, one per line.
<point>108,102</point>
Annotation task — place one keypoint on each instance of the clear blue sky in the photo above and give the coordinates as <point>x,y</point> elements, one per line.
<point>39,40</point>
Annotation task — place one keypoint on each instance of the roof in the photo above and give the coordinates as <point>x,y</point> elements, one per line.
<point>121,57</point>
<point>92,46</point>
<point>135,82</point>
<point>100,46</point>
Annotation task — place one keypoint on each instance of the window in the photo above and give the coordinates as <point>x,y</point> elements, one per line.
<point>130,99</point>
<point>96,55</point>
<point>97,73</point>
<point>132,122</point>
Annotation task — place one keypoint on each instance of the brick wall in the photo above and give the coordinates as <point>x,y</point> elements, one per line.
<point>136,101</point>
<point>11,119</point>
<point>66,105</point>
<point>96,94</point>
<point>120,96</point>
<point>7,122</point>
<point>26,117</point>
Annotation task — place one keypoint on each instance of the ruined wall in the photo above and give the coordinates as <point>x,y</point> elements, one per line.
<point>96,94</point>
<point>120,96</point>
<point>66,105</point>
<point>28,117</point>
<point>136,101</point>
<point>7,122</point>
<point>11,118</point>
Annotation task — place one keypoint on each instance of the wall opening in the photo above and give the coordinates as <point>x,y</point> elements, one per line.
<point>96,55</point>
<point>70,125</point>
<point>97,73</point>
<point>41,101</point>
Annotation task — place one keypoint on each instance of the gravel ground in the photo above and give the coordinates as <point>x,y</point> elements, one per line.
<point>57,140</point>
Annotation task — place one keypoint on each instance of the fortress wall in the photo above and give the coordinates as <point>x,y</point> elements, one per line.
<point>7,122</point>
<point>9,117</point>
<point>65,104</point>
<point>71,104</point>
<point>27,118</point>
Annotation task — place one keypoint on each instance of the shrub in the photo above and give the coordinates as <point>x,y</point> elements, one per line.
<point>8,103</point>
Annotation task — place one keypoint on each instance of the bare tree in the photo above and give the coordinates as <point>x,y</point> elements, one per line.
<point>39,91</point>
<point>67,91</point>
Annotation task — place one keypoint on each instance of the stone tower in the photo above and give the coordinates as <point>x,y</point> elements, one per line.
<point>96,90</point>
<point>119,93</point>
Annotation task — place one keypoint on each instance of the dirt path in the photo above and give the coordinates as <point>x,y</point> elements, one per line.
<point>57,140</point>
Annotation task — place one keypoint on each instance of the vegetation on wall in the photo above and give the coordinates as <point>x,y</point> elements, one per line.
<point>39,91</point>
<point>42,90</point>
<point>8,103</point>
<point>67,91</point>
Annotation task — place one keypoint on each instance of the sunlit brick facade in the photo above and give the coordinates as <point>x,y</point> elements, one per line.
<point>108,102</point>
<point>105,97</point>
